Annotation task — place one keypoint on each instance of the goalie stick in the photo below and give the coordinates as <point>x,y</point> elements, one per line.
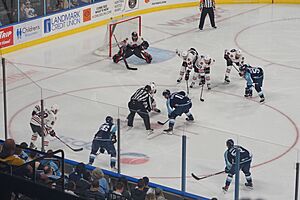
<point>125,61</point>
<point>73,149</point>
<point>203,177</point>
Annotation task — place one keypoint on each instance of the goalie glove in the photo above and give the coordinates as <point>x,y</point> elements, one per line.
<point>114,139</point>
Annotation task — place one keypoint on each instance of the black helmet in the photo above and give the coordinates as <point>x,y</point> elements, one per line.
<point>166,92</point>
<point>148,88</point>
<point>109,119</point>
<point>229,143</point>
<point>134,36</point>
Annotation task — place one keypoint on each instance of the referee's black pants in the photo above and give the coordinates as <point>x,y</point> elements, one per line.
<point>210,12</point>
<point>138,107</point>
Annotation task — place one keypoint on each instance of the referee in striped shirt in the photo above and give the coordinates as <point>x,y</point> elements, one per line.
<point>140,103</point>
<point>207,7</point>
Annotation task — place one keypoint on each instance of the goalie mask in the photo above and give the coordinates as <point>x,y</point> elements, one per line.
<point>134,36</point>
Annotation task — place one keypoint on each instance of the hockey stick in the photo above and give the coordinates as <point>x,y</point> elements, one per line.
<point>73,149</point>
<point>162,123</point>
<point>187,87</point>
<point>236,68</point>
<point>201,94</point>
<point>203,177</point>
<point>125,61</point>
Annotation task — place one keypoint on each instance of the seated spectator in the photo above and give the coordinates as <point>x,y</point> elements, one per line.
<point>159,194</point>
<point>29,10</point>
<point>21,153</point>
<point>125,192</point>
<point>74,3</point>
<point>97,174</point>
<point>83,185</point>
<point>138,193</point>
<point>146,181</point>
<point>150,196</point>
<point>60,5</point>
<point>7,156</point>
<point>77,174</point>
<point>50,162</point>
<point>94,193</point>
<point>119,188</point>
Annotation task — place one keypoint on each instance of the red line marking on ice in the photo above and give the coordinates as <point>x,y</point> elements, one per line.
<point>256,56</point>
<point>173,177</point>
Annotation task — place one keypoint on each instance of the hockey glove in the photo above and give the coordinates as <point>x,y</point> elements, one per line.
<point>227,170</point>
<point>114,139</point>
<point>52,133</point>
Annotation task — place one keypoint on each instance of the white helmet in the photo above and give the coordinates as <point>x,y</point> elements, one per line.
<point>54,108</point>
<point>184,54</point>
<point>153,87</point>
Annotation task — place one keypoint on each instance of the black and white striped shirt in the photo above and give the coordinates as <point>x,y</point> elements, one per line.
<point>141,95</point>
<point>207,3</point>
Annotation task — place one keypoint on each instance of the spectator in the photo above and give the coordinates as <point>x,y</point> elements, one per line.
<point>29,10</point>
<point>146,181</point>
<point>74,3</point>
<point>159,194</point>
<point>21,153</point>
<point>83,185</point>
<point>138,193</point>
<point>119,188</point>
<point>150,196</point>
<point>7,156</point>
<point>125,192</point>
<point>50,162</point>
<point>77,174</point>
<point>94,193</point>
<point>97,174</point>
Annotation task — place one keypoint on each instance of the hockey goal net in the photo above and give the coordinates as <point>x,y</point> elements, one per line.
<point>121,29</point>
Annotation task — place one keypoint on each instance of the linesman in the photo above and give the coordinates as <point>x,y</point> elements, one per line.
<point>140,103</point>
<point>207,7</point>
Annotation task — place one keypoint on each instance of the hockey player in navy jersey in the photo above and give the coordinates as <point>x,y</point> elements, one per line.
<point>177,104</point>
<point>230,160</point>
<point>253,76</point>
<point>105,139</point>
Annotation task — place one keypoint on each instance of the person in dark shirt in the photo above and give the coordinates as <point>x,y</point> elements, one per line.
<point>138,193</point>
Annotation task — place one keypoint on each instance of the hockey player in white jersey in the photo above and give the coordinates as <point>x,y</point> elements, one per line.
<point>189,58</point>
<point>136,45</point>
<point>202,71</point>
<point>233,56</point>
<point>36,124</point>
<point>153,101</point>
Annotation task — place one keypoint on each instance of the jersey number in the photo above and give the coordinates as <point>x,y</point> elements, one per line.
<point>254,71</point>
<point>104,128</point>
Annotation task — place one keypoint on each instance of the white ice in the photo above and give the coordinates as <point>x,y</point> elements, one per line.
<point>87,88</point>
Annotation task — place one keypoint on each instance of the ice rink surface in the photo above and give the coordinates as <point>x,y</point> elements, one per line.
<point>88,88</point>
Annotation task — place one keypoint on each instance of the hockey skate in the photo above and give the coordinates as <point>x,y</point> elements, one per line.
<point>190,118</point>
<point>169,130</point>
<point>225,189</point>
<point>208,87</point>
<point>150,131</point>
<point>249,185</point>
<point>179,80</point>
<point>262,100</point>
<point>114,169</point>
<point>226,80</point>
<point>156,110</point>
<point>192,85</point>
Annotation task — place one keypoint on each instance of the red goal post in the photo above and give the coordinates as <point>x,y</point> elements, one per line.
<point>122,29</point>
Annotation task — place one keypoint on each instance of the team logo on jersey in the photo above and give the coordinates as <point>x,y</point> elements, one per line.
<point>132,3</point>
<point>134,158</point>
